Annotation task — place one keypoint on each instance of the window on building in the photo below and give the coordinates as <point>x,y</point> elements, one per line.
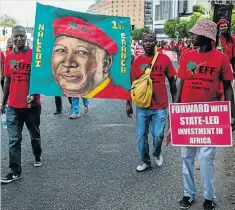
<point>139,10</point>
<point>116,10</point>
<point>116,6</point>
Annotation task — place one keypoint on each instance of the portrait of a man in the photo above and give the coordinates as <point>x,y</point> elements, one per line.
<point>81,59</point>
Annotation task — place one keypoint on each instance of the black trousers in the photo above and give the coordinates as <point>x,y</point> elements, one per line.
<point>58,103</point>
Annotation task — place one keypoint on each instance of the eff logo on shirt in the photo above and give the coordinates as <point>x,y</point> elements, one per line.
<point>143,66</point>
<point>14,64</point>
<point>192,68</point>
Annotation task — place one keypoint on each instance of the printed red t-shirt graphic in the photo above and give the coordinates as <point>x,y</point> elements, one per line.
<point>202,74</point>
<point>162,68</point>
<point>17,67</point>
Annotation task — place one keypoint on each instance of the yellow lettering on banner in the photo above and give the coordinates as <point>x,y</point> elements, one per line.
<point>38,64</point>
<point>123,42</point>
<point>38,42</point>
<point>123,70</point>
<point>123,63</point>
<point>38,56</point>
<point>41,28</point>
<point>40,34</point>
<point>123,53</point>
<point>123,49</point>
<point>38,50</point>
<point>123,56</point>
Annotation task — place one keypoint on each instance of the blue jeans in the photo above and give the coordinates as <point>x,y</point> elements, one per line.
<point>206,156</point>
<point>156,121</point>
<point>76,105</point>
<point>16,118</point>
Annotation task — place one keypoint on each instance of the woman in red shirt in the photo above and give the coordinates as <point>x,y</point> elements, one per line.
<point>225,41</point>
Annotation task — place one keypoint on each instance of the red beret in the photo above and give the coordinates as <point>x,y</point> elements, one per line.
<point>222,21</point>
<point>75,27</point>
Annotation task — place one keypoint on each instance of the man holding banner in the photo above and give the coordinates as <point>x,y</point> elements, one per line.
<point>21,108</point>
<point>201,73</point>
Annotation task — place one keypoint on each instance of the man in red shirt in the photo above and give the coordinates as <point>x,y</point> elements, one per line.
<point>155,116</point>
<point>9,46</point>
<point>21,108</point>
<point>2,57</point>
<point>201,72</point>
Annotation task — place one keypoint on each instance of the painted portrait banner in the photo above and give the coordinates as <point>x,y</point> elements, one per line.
<point>80,54</point>
<point>201,124</point>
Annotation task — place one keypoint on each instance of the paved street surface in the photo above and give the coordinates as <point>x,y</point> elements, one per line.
<point>89,164</point>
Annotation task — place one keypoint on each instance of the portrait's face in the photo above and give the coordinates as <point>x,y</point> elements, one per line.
<point>223,28</point>
<point>78,66</point>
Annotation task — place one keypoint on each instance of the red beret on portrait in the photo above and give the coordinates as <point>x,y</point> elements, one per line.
<point>222,21</point>
<point>78,28</point>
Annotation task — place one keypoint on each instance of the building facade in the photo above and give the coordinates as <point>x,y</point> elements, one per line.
<point>135,9</point>
<point>164,10</point>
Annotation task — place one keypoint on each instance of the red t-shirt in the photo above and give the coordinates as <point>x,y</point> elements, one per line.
<point>162,68</point>
<point>17,67</point>
<point>228,48</point>
<point>8,51</point>
<point>202,74</point>
<point>2,57</point>
<point>185,52</point>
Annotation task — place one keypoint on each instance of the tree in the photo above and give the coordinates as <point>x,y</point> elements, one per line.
<point>199,8</point>
<point>171,26</point>
<point>8,21</point>
<point>193,19</point>
<point>182,28</point>
<point>233,22</point>
<point>137,33</point>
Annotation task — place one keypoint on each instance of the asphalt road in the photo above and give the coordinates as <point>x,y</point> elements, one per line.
<point>89,164</point>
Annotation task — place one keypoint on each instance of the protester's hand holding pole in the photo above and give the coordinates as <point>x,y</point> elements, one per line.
<point>129,110</point>
<point>30,100</point>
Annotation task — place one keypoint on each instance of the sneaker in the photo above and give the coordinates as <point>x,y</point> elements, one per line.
<point>10,177</point>
<point>159,161</point>
<point>209,205</point>
<point>37,162</point>
<point>86,110</point>
<point>142,167</point>
<point>74,116</point>
<point>186,202</point>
